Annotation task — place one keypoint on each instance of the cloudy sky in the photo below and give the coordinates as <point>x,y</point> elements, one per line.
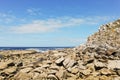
<point>43,23</point>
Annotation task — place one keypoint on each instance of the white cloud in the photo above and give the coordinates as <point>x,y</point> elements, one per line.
<point>52,24</point>
<point>40,26</point>
<point>7,18</point>
<point>34,11</point>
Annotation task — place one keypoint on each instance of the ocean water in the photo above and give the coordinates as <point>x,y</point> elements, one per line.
<point>38,49</point>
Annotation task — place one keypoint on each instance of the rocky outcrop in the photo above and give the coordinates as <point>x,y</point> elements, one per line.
<point>98,59</point>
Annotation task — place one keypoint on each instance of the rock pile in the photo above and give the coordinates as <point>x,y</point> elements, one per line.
<point>98,59</point>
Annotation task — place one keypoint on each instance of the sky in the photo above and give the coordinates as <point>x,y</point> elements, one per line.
<point>50,23</point>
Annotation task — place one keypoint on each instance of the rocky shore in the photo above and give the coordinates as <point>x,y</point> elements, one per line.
<point>97,59</point>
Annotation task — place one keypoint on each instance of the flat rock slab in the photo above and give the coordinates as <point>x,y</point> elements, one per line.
<point>112,64</point>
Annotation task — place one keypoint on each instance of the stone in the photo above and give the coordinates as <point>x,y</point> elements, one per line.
<point>105,71</point>
<point>52,77</point>
<point>114,64</point>
<point>52,71</point>
<point>35,76</point>
<point>66,61</point>
<point>3,65</point>
<point>60,54</point>
<point>1,78</point>
<point>71,63</point>
<point>38,69</point>
<point>118,72</point>
<point>73,70</point>
<point>22,76</point>
<point>45,66</point>
<point>54,67</point>
<point>19,64</point>
<point>60,74</point>
<point>59,61</point>
<point>86,72</point>
<point>99,64</point>
<point>25,70</point>
<point>110,51</point>
<point>10,70</point>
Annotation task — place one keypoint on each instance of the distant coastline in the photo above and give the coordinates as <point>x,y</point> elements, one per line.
<point>38,49</point>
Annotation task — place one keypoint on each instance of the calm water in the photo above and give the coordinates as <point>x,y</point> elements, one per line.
<point>38,49</point>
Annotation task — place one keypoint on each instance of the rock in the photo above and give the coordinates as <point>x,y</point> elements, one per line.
<point>52,72</point>
<point>66,61</point>
<point>22,76</point>
<point>69,63</point>
<point>45,66</point>
<point>114,64</point>
<point>86,72</point>
<point>35,76</point>
<point>105,71</point>
<point>59,61</point>
<point>99,64</point>
<point>60,54</point>
<point>10,70</point>
<point>52,77</point>
<point>110,51</point>
<point>25,70</point>
<point>38,69</point>
<point>118,72</point>
<point>3,65</point>
<point>1,78</point>
<point>20,64</point>
<point>60,74</point>
<point>11,64</point>
<point>73,70</point>
<point>54,67</point>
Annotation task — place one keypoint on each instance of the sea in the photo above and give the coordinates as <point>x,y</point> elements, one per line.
<point>38,49</point>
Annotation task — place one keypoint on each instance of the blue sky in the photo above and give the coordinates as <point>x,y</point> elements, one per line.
<point>42,23</point>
